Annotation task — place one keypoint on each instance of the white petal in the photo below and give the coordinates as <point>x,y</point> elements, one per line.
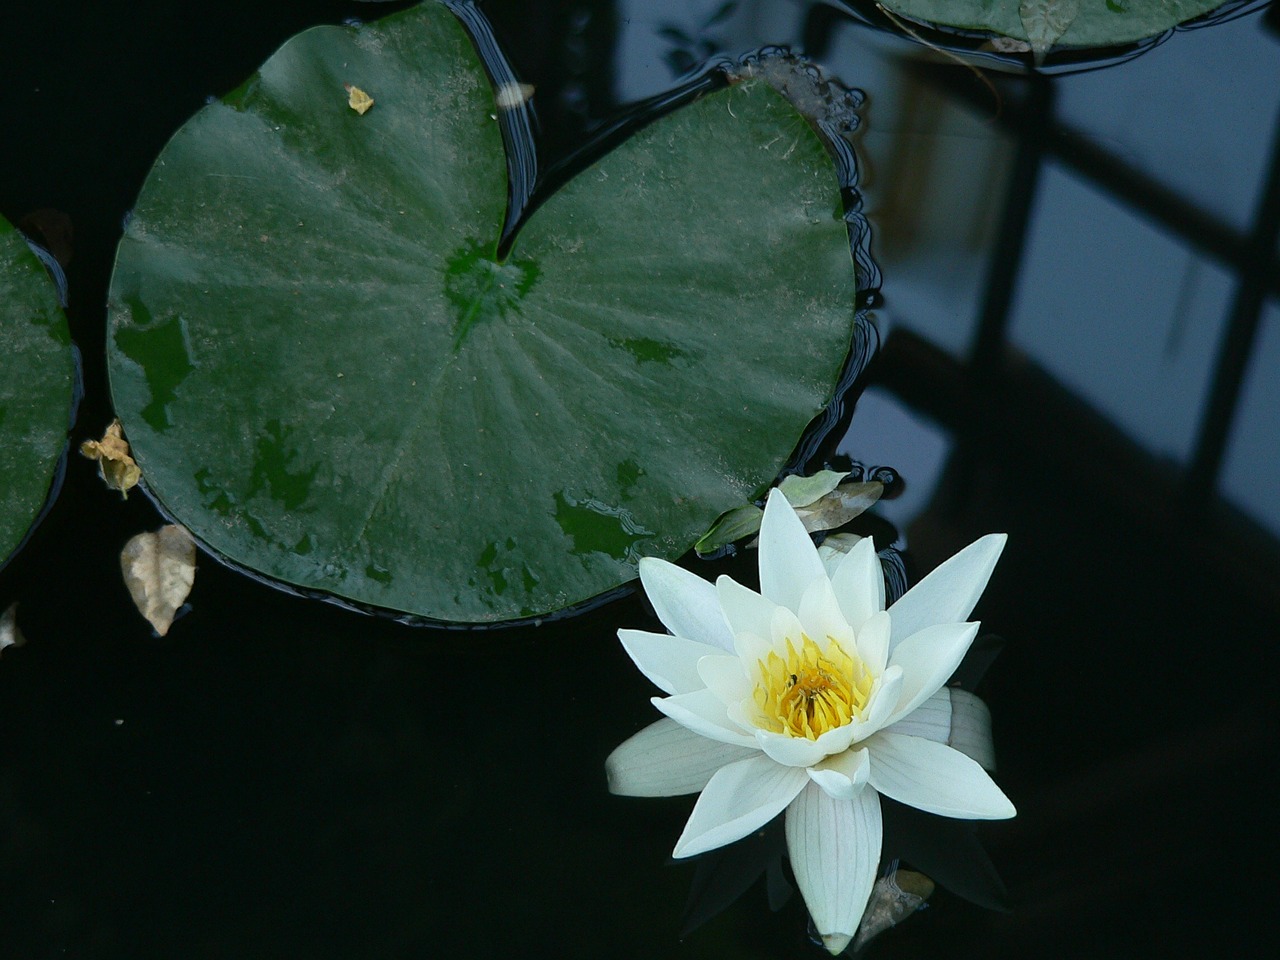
<point>784,626</point>
<point>724,676</point>
<point>745,610</point>
<point>928,658</point>
<point>834,848</point>
<point>970,728</point>
<point>873,642</point>
<point>834,549</point>
<point>738,799</point>
<point>859,583</point>
<point>885,697</point>
<point>670,662</point>
<point>931,719</point>
<point>803,752</point>
<point>790,751</point>
<point>666,760</point>
<point>821,617</point>
<point>842,776</point>
<point>950,592</point>
<point>704,714</point>
<point>934,778</point>
<point>788,559</point>
<point>686,604</point>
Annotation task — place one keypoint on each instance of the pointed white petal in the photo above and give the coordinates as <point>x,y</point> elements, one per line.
<point>885,697</point>
<point>873,642</point>
<point>670,662</point>
<point>834,548</point>
<point>745,610</point>
<point>686,604</point>
<point>704,714</point>
<point>859,583</point>
<point>950,592</point>
<point>738,799</point>
<point>788,559</point>
<point>928,659</point>
<point>784,626</point>
<point>666,760</point>
<point>821,617</point>
<point>931,719</point>
<point>842,776</point>
<point>834,848</point>
<point>724,676</point>
<point>934,778</point>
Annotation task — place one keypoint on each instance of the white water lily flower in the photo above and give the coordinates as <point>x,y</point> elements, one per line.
<point>800,698</point>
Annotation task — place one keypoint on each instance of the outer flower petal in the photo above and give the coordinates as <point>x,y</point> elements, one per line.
<point>670,662</point>
<point>686,604</point>
<point>859,583</point>
<point>666,760</point>
<point>788,559</point>
<point>704,714</point>
<point>928,659</point>
<point>957,718</point>
<point>950,592</point>
<point>738,799</point>
<point>834,847</point>
<point>934,778</point>
<point>841,776</point>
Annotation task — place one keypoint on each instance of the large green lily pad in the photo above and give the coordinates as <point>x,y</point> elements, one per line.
<point>328,375</point>
<point>37,373</point>
<point>1063,23</point>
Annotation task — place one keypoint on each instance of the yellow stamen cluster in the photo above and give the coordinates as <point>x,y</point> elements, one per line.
<point>811,690</point>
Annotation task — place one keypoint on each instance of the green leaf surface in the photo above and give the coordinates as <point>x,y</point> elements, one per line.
<point>37,373</point>
<point>1064,23</point>
<point>328,376</point>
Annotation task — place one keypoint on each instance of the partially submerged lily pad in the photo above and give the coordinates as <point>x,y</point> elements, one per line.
<point>1065,23</point>
<point>329,375</point>
<point>37,374</point>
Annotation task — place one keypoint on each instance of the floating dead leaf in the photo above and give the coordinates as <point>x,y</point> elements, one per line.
<point>10,635</point>
<point>893,898</point>
<point>159,569</point>
<point>116,467</point>
<point>839,506</point>
<point>357,99</point>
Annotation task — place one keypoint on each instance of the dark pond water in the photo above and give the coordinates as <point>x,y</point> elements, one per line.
<point>284,778</point>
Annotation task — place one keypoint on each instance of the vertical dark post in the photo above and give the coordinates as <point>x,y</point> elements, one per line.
<point>1237,343</point>
<point>986,355</point>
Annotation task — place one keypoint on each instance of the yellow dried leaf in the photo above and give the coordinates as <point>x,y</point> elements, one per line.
<point>357,99</point>
<point>10,635</point>
<point>116,467</point>
<point>159,569</point>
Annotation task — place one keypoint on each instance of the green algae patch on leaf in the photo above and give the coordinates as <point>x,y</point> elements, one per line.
<point>37,376</point>
<point>1058,23</point>
<point>329,375</point>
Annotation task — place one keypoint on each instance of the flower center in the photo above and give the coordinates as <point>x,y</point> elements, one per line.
<point>811,690</point>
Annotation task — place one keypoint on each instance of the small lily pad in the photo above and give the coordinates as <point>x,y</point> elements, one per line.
<point>37,374</point>
<point>1058,23</point>
<point>329,373</point>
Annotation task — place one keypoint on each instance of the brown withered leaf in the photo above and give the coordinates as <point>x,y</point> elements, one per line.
<point>159,569</point>
<point>115,465</point>
<point>357,99</point>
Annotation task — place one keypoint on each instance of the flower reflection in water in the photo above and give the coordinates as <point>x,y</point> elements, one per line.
<point>809,697</point>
